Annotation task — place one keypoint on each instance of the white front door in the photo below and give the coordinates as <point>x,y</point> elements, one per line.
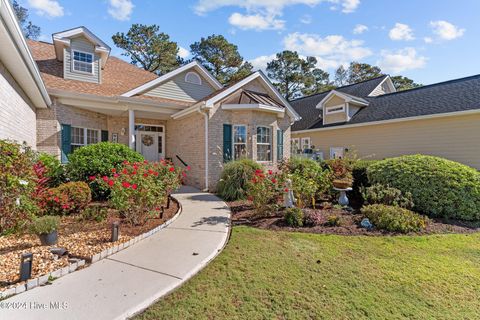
<point>150,145</point>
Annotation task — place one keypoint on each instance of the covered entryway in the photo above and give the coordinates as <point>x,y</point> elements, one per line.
<point>150,141</point>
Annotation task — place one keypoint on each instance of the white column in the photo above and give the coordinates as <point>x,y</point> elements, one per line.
<point>131,129</point>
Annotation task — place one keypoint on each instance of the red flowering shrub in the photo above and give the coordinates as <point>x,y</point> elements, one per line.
<point>68,198</point>
<point>138,190</point>
<point>265,191</point>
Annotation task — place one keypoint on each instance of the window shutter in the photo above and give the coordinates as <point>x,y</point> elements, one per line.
<point>66,142</point>
<point>279,145</point>
<point>227,142</point>
<point>104,135</point>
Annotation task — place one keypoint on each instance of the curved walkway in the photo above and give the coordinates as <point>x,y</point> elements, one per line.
<point>128,282</point>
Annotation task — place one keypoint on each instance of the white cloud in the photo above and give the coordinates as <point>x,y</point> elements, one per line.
<point>330,51</point>
<point>255,22</point>
<point>183,53</point>
<point>445,30</point>
<point>401,32</point>
<point>428,40</point>
<point>401,60</point>
<point>50,8</point>
<point>306,19</point>
<point>264,14</point>
<point>360,28</point>
<point>120,9</point>
<point>260,63</point>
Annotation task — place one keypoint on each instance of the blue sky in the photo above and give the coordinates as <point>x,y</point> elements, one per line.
<point>427,40</point>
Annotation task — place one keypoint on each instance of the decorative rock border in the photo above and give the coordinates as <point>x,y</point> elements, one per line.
<point>43,279</point>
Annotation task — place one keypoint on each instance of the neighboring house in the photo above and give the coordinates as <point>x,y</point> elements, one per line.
<point>185,114</point>
<point>376,122</point>
<point>22,91</point>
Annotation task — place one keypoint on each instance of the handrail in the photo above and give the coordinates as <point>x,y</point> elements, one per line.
<point>181,160</point>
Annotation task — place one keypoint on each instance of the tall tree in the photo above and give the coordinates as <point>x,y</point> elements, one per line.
<point>358,72</point>
<point>291,74</point>
<point>30,30</point>
<point>221,58</point>
<point>341,77</point>
<point>148,48</point>
<point>403,83</point>
<point>320,82</point>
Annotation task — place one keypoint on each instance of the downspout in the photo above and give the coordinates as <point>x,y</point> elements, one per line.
<point>205,116</point>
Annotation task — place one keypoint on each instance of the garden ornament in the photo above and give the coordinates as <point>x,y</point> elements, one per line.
<point>288,198</point>
<point>366,224</point>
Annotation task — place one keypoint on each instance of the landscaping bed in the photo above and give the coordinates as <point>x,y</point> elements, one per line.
<point>243,213</point>
<point>81,238</point>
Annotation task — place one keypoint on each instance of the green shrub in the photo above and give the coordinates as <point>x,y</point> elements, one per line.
<point>360,179</point>
<point>440,187</point>
<point>54,170</point>
<point>17,185</point>
<point>68,198</point>
<point>44,225</point>
<point>234,179</point>
<point>98,160</point>
<point>380,194</point>
<point>294,217</point>
<point>309,180</point>
<point>333,221</point>
<point>94,213</point>
<point>394,219</point>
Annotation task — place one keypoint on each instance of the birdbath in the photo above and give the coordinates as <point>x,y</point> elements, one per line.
<point>343,199</point>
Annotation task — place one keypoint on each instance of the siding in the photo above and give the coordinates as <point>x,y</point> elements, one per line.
<point>178,89</point>
<point>455,138</point>
<point>17,113</point>
<point>84,45</point>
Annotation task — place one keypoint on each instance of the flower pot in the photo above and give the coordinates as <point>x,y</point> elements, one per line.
<point>342,184</point>
<point>48,239</point>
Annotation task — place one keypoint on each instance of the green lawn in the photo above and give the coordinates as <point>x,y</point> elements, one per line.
<point>279,275</point>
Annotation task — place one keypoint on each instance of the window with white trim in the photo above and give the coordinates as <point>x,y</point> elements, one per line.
<point>337,153</point>
<point>306,143</point>
<point>264,144</point>
<point>335,109</point>
<point>296,147</point>
<point>82,136</point>
<point>82,62</point>
<point>239,141</point>
<point>193,77</point>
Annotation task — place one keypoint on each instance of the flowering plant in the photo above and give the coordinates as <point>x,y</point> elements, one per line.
<point>139,190</point>
<point>265,191</point>
<point>68,198</point>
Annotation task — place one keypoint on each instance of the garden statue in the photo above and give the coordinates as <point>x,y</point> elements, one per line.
<point>288,198</point>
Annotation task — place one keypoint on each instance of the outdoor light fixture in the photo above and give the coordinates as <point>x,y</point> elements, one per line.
<point>115,231</point>
<point>26,266</point>
<point>168,202</point>
<point>161,212</point>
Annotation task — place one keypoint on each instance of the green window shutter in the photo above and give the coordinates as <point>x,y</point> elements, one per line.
<point>66,142</point>
<point>279,145</point>
<point>227,142</point>
<point>104,135</point>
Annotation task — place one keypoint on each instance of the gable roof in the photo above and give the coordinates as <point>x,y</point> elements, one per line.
<point>118,76</point>
<point>459,95</point>
<point>192,65</point>
<point>306,106</point>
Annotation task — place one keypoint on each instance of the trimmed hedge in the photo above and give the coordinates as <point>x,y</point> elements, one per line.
<point>235,175</point>
<point>394,219</point>
<point>440,187</point>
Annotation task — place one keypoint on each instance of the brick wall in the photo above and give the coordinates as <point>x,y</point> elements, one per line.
<point>17,113</point>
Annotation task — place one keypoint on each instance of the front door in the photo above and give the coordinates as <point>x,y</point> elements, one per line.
<point>150,145</point>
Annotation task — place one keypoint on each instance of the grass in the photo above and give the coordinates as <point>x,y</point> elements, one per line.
<point>280,275</point>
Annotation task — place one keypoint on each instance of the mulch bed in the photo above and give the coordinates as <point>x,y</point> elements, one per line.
<point>243,214</point>
<point>81,238</point>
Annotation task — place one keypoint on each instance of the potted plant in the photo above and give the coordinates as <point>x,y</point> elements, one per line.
<point>46,228</point>
<point>342,173</point>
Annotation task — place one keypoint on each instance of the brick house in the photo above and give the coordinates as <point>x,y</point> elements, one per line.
<point>185,115</point>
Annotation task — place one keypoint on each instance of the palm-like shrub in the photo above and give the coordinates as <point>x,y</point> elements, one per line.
<point>439,187</point>
<point>235,176</point>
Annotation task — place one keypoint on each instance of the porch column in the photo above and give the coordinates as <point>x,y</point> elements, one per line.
<point>131,129</point>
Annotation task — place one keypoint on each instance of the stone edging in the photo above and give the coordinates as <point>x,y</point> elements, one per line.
<point>43,280</point>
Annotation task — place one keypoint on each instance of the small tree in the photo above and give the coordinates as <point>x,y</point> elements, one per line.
<point>30,30</point>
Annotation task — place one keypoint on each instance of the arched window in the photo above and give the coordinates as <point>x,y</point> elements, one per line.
<point>193,77</point>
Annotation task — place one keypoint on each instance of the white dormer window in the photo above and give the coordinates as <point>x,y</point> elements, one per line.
<point>82,62</point>
<point>193,77</point>
<point>335,109</point>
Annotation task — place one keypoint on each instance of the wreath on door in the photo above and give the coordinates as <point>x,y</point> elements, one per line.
<point>147,140</point>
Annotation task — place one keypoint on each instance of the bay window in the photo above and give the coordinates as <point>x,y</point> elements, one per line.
<point>239,142</point>
<point>264,144</point>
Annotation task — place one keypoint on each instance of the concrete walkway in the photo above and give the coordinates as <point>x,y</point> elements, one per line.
<point>129,281</point>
